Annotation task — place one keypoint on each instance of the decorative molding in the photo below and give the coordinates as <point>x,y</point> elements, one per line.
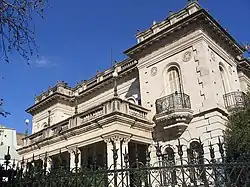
<point>212,55</point>
<point>187,56</point>
<point>117,138</point>
<point>219,50</point>
<point>171,49</point>
<point>153,71</point>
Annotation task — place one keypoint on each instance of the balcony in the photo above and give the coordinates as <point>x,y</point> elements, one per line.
<point>93,118</point>
<point>235,100</point>
<point>174,111</point>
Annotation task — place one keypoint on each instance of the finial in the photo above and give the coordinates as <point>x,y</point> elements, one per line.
<point>115,76</point>
<point>190,1</point>
<point>27,127</point>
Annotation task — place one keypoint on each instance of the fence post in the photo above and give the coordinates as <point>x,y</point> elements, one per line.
<point>126,161</point>
<point>201,162</point>
<point>212,156</point>
<point>115,157</point>
<point>221,150</point>
<point>180,153</point>
<point>148,177</point>
<point>159,154</point>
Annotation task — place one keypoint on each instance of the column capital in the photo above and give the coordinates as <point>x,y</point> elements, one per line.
<point>73,149</point>
<point>116,138</point>
<point>43,156</point>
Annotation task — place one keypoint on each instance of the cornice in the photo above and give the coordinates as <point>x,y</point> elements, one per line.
<point>202,17</point>
<point>54,97</point>
<point>182,45</point>
<point>125,69</point>
<point>88,127</point>
<point>217,49</point>
<point>106,81</point>
<point>171,50</point>
<point>243,65</point>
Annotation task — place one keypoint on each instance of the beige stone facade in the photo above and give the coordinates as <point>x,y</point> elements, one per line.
<point>180,81</point>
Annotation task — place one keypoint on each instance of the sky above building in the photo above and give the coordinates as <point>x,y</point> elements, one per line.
<point>76,37</point>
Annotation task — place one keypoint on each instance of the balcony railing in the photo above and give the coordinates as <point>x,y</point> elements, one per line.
<point>173,102</point>
<point>235,100</point>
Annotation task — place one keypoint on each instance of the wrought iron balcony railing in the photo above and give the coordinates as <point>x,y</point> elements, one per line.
<point>235,100</point>
<point>172,103</point>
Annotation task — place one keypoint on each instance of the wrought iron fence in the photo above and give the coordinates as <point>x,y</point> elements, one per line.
<point>173,102</point>
<point>163,169</point>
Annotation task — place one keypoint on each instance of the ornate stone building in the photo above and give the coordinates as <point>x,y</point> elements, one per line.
<point>180,81</point>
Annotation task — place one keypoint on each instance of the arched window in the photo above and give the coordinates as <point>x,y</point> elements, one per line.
<point>224,79</point>
<point>169,160</point>
<point>174,80</point>
<point>196,156</point>
<point>169,154</point>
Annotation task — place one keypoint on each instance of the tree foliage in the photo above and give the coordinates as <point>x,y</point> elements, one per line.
<point>237,136</point>
<point>16,27</point>
<point>3,112</point>
<point>17,30</point>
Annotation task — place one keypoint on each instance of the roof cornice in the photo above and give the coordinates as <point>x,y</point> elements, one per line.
<point>95,83</point>
<point>202,17</point>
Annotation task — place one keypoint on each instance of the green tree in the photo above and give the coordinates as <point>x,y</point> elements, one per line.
<point>3,112</point>
<point>16,28</point>
<point>237,135</point>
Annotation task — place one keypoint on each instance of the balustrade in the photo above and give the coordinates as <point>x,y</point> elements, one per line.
<point>91,115</point>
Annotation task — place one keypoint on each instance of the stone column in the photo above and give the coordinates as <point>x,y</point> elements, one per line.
<point>116,146</point>
<point>110,160</point>
<point>117,140</point>
<point>49,164</point>
<point>125,176</point>
<point>75,159</point>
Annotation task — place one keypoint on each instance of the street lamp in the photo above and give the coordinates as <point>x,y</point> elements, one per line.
<point>27,127</point>
<point>115,76</point>
<point>76,102</point>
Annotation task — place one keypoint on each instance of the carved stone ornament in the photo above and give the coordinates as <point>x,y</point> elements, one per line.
<point>116,138</point>
<point>187,56</point>
<point>212,55</point>
<point>154,71</point>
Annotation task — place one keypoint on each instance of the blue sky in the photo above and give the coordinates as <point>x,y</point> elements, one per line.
<point>76,38</point>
